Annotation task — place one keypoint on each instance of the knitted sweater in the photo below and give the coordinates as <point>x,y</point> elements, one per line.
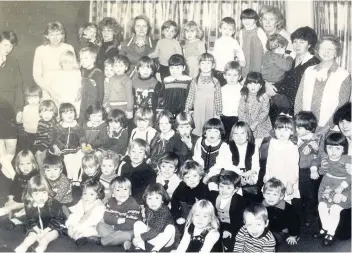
<point>146,92</point>
<point>62,189</point>
<point>246,243</point>
<point>119,90</point>
<point>274,66</point>
<point>44,136</point>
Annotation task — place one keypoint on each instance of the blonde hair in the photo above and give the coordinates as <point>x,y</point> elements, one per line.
<point>55,26</point>
<point>191,25</point>
<point>207,207</point>
<point>140,143</point>
<point>36,184</point>
<point>68,57</point>
<point>22,155</point>
<point>144,113</point>
<point>110,155</point>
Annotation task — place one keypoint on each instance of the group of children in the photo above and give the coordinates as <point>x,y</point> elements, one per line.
<point>215,174</point>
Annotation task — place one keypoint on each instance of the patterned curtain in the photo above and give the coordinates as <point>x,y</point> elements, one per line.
<point>334,17</point>
<point>206,13</point>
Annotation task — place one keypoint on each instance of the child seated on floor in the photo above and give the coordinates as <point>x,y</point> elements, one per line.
<point>90,168</point>
<point>109,163</point>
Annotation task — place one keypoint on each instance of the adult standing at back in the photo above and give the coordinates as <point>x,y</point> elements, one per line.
<point>11,101</point>
<point>47,56</point>
<point>326,86</point>
<point>140,44</point>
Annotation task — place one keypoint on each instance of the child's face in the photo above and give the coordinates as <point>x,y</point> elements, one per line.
<point>231,76</point>
<point>226,190</point>
<point>55,37</point>
<point>119,68</point>
<point>145,71</point>
<point>212,135</point>
<point>89,195</point>
<point>301,131</point>
<point>176,71</point>
<point>192,178</point>
<point>90,169</point>
<point>164,125</point>
<point>334,152</point>
<point>109,71</point>
<point>273,196</point>
<point>47,115</point>
<point>255,225</point>
<point>346,127</point>
<point>206,67</point>
<point>248,23</point>
<point>170,32</point>
<point>25,165</point>
<point>90,33</point>
<point>185,130</point>
<point>87,60</point>
<point>142,124</point>
<point>167,170</point>
<point>33,99</point>
<point>114,125</point>
<point>253,88</point>
<point>68,116</point>
<point>121,193</point>
<point>40,197</point>
<point>190,34</point>
<point>53,173</point>
<point>201,219</point>
<point>283,133</point>
<point>107,167</point>
<point>108,34</point>
<point>137,155</point>
<point>227,30</point>
<point>154,201</point>
<point>240,136</point>
<point>96,117</point>
<point>279,50</point>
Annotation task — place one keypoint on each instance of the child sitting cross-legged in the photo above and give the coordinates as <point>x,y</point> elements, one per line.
<point>122,211</point>
<point>284,221</point>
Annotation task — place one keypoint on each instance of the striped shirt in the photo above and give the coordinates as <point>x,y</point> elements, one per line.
<point>247,243</point>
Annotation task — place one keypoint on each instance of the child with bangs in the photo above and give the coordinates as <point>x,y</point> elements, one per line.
<point>143,119</point>
<point>184,139</point>
<point>279,158</point>
<point>135,168</point>
<point>146,86</point>
<point>109,164</point>
<point>229,205</point>
<point>168,166</point>
<point>90,168</point>
<point>88,35</point>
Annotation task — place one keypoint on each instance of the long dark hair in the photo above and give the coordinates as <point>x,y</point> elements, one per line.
<point>253,77</point>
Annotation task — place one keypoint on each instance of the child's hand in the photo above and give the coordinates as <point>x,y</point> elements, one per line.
<point>292,240</point>
<point>226,234</point>
<point>289,189</point>
<point>20,213</point>
<point>19,117</point>
<point>187,140</point>
<point>121,220</point>
<point>57,151</point>
<point>314,173</point>
<point>180,221</point>
<point>306,150</point>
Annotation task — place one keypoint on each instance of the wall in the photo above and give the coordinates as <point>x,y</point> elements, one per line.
<point>29,19</point>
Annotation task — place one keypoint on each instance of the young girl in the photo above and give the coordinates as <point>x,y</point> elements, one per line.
<point>117,132</point>
<point>164,140</point>
<point>67,140</point>
<point>189,191</point>
<point>254,106</point>
<point>283,158</point>
<point>245,159</point>
<point>184,139</point>
<point>193,47</point>
<point>176,85</point>
<point>86,214</point>
<point>211,151</point>
<point>146,86</point>
<point>44,137</point>
<point>26,167</point>
<point>201,231</point>
<point>143,118</point>
<point>252,39</point>
<point>45,217</point>
<point>88,35</point>
<point>95,129</point>
<point>90,168</point>
<point>66,83</point>
<point>158,231</point>
<point>47,56</point>
<point>334,194</point>
<point>231,96</point>
<point>110,162</point>
<point>204,96</point>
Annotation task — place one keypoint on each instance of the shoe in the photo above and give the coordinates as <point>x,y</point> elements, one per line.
<point>321,234</point>
<point>94,239</point>
<point>328,240</point>
<point>127,245</point>
<point>81,241</point>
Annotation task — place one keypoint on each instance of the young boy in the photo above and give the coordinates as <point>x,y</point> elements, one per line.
<point>226,48</point>
<point>90,167</point>
<point>122,211</point>
<point>255,236</point>
<point>284,222</point>
<point>119,93</point>
<point>109,163</point>
<point>135,168</point>
<point>108,74</point>
<point>92,80</point>
<point>168,167</point>
<point>309,147</point>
